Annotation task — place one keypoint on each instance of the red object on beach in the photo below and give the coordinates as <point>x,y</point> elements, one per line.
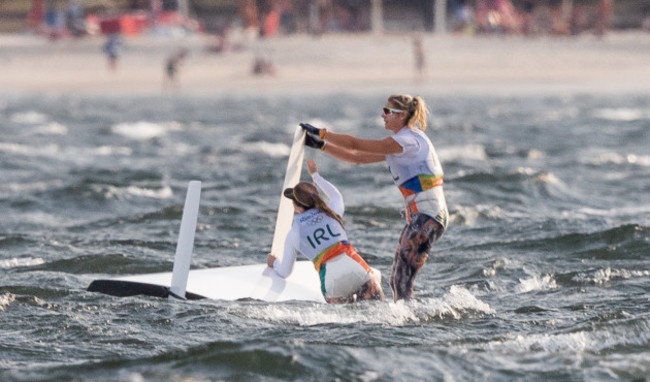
<point>35,15</point>
<point>110,25</point>
<point>170,18</point>
<point>133,23</point>
<point>271,23</point>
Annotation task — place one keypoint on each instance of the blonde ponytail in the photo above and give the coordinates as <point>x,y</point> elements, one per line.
<point>415,107</point>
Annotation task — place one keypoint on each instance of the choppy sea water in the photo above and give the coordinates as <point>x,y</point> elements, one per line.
<point>543,273</point>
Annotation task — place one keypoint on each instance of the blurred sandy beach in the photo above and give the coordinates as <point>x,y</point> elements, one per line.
<point>304,64</point>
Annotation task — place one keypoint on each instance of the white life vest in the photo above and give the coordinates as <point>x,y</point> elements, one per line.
<point>318,232</point>
<point>418,174</point>
<point>417,167</point>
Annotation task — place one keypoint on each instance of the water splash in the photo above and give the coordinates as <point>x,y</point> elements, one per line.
<point>536,283</point>
<point>455,304</point>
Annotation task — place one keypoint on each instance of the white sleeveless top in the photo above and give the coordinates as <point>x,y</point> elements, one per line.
<point>418,174</point>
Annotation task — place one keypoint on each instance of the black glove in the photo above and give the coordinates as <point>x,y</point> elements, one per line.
<point>310,129</point>
<point>313,141</point>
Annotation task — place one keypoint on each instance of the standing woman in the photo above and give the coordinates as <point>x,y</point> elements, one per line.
<point>417,172</point>
<point>317,233</point>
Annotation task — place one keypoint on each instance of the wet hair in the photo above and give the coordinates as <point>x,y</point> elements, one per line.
<point>415,107</point>
<point>306,195</point>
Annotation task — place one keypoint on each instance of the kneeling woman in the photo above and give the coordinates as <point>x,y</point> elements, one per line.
<point>317,233</point>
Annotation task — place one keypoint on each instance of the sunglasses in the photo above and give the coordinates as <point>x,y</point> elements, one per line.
<point>388,110</point>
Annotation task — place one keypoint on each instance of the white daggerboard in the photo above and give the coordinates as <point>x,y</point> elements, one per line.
<point>185,245</point>
<point>291,178</point>
<point>255,281</point>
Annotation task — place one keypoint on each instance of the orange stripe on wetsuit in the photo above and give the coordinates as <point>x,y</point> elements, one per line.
<point>342,247</point>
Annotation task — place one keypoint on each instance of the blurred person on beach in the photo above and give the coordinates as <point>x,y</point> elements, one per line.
<point>415,169</point>
<point>325,14</point>
<point>36,14</point>
<point>418,53</point>
<point>590,15</point>
<point>317,233</point>
<point>497,16</point>
<point>249,15</point>
<point>75,19</point>
<point>55,20</point>
<point>557,23</point>
<point>463,17</point>
<point>579,16</point>
<point>222,43</point>
<point>172,64</point>
<point>529,25</point>
<point>263,67</point>
<point>604,14</point>
<point>646,18</point>
<point>111,48</point>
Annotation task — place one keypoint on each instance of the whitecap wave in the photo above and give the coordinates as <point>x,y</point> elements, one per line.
<point>105,151</point>
<point>634,332</point>
<point>616,158</point>
<point>29,118</point>
<point>469,215</point>
<point>20,262</point>
<point>561,113</point>
<point>459,300</point>
<point>549,178</point>
<point>464,152</point>
<point>536,154</point>
<point>140,130</point>
<point>496,265</point>
<point>5,300</point>
<point>17,188</point>
<point>69,153</point>
<point>589,212</point>
<point>274,150</point>
<point>16,148</point>
<point>52,128</point>
<point>622,114</point>
<point>536,283</point>
<point>602,276</point>
<point>161,193</point>
<point>41,218</point>
<point>113,192</point>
